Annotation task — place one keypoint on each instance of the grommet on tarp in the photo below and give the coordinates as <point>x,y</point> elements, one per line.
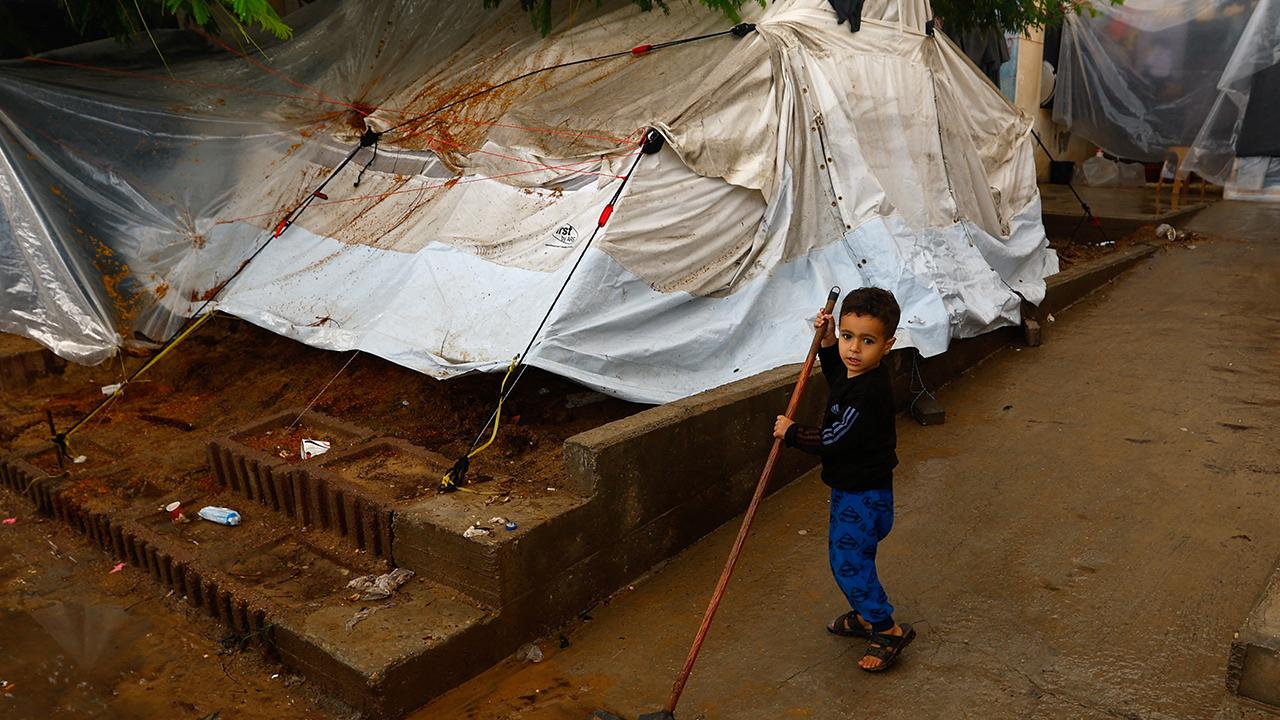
<point>653,142</point>
<point>929,27</point>
<point>368,139</point>
<point>743,29</point>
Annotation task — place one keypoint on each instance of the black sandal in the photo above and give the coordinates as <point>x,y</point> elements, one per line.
<point>847,625</point>
<point>886,648</point>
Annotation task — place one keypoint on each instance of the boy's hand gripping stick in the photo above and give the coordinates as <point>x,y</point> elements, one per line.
<point>765,476</point>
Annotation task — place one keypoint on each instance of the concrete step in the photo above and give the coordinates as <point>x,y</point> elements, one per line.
<point>381,495</point>
<point>280,586</point>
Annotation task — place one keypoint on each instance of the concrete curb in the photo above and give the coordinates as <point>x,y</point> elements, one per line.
<point>1253,667</point>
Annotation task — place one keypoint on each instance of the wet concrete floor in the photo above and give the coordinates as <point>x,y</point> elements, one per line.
<point>1130,203</point>
<point>1079,540</point>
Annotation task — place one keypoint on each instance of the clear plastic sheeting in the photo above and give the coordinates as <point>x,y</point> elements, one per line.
<point>1248,95</point>
<point>1151,76</point>
<point>799,157</point>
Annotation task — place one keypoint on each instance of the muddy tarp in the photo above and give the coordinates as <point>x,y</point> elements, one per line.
<point>798,157</point>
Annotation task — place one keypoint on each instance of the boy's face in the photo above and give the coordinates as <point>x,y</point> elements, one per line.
<point>862,343</point>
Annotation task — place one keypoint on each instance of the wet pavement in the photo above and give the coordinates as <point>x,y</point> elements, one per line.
<point>1130,203</point>
<point>1079,540</point>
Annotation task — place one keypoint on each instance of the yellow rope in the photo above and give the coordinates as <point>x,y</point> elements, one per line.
<point>448,481</point>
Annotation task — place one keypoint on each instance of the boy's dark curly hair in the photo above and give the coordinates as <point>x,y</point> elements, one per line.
<point>879,304</point>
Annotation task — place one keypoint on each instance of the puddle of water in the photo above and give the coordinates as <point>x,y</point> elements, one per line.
<point>65,660</point>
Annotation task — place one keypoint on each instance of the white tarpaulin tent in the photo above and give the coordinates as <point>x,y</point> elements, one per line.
<point>798,157</point>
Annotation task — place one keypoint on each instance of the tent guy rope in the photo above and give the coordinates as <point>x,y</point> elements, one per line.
<point>456,477</point>
<point>370,138</point>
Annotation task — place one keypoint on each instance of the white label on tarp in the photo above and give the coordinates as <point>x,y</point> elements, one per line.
<point>564,236</point>
<point>312,448</point>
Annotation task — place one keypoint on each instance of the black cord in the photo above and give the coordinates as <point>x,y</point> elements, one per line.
<point>59,439</point>
<point>1088,213</point>
<point>372,157</point>
<point>586,246</point>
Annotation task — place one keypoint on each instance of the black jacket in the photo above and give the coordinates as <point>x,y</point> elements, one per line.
<point>857,439</point>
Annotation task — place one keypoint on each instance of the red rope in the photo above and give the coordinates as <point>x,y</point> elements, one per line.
<point>447,183</point>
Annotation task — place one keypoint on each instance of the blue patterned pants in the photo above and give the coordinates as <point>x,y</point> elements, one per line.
<point>859,521</point>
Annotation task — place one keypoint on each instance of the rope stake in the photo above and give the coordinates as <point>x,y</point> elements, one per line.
<point>456,478</point>
<point>1088,213</point>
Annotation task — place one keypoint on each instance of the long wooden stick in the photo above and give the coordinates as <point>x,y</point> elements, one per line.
<point>765,476</point>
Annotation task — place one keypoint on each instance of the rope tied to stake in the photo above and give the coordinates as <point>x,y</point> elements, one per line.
<point>652,143</point>
<point>456,478</point>
<point>1088,212</point>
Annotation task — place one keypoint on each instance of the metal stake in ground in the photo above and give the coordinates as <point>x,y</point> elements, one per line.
<point>668,713</point>
<point>1088,212</point>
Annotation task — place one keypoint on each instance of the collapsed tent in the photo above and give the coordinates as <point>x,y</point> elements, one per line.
<point>1202,76</point>
<point>797,157</point>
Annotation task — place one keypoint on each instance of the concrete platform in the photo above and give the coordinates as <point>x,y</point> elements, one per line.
<point>1120,211</point>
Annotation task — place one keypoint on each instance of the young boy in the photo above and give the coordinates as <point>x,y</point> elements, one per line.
<point>856,443</point>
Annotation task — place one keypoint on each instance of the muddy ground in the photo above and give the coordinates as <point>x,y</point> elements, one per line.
<point>1065,546</point>
<point>80,641</point>
<point>77,640</point>
<point>1083,248</point>
<point>230,373</point>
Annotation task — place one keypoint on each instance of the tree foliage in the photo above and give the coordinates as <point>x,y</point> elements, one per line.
<point>1010,15</point>
<point>541,11</point>
<point>123,18</point>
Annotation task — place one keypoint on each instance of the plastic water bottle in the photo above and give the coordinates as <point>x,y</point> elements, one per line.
<point>220,515</point>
